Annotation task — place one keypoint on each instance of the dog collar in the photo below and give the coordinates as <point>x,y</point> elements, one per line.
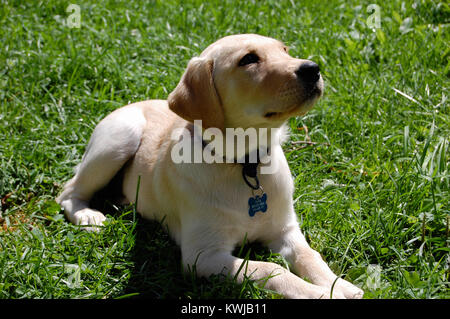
<point>256,203</point>
<point>251,170</point>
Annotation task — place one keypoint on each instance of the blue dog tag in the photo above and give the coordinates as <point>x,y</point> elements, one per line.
<point>257,204</point>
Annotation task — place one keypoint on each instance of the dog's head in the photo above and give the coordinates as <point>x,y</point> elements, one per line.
<point>246,81</point>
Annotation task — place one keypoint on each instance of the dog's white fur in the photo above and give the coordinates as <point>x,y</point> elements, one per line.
<point>205,205</point>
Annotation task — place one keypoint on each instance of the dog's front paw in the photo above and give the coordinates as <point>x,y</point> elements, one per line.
<point>327,293</point>
<point>89,217</point>
<point>349,290</point>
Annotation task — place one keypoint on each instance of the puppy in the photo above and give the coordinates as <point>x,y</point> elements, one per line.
<point>241,81</point>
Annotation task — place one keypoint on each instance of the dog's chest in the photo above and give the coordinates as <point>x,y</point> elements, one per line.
<point>248,213</point>
<point>214,196</point>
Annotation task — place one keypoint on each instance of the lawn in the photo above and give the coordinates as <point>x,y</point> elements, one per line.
<point>370,161</point>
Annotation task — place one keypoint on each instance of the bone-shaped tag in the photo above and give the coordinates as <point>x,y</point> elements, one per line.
<point>257,204</point>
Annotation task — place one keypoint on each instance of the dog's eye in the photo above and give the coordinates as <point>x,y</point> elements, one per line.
<point>249,59</point>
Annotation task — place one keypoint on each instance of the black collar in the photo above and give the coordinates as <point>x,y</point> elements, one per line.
<point>251,170</point>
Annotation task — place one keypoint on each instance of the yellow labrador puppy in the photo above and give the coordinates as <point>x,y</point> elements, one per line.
<point>244,81</point>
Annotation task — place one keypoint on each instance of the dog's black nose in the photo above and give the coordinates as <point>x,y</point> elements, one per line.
<point>308,72</point>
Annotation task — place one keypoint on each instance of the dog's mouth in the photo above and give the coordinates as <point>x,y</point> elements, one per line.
<point>282,115</point>
<point>313,92</point>
<point>269,115</point>
<point>298,108</point>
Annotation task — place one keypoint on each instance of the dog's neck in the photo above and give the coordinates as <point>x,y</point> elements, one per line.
<point>244,146</point>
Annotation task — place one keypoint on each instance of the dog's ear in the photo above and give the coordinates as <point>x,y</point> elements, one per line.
<point>195,97</point>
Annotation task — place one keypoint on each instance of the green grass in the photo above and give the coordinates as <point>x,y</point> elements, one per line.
<point>372,192</point>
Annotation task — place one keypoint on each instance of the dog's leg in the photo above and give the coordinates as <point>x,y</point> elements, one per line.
<point>308,263</point>
<point>115,140</point>
<point>208,256</point>
<point>265,274</point>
